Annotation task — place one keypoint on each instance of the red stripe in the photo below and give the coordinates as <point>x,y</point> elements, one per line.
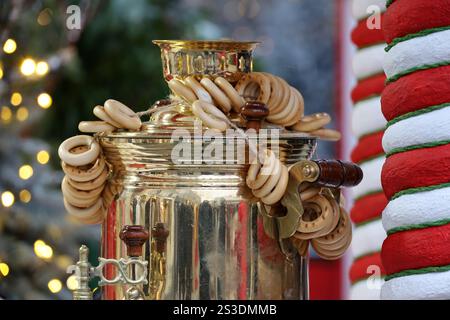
<point>416,249</point>
<point>416,168</point>
<point>411,16</point>
<point>368,208</point>
<point>368,147</point>
<point>368,87</point>
<point>362,36</point>
<point>416,91</point>
<point>363,267</point>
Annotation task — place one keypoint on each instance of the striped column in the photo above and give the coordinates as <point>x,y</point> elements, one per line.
<point>416,174</point>
<point>368,125</point>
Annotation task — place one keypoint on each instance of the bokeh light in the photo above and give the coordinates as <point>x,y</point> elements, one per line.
<point>44,100</point>
<point>7,199</point>
<point>25,172</point>
<point>28,67</point>
<point>72,282</point>
<point>22,114</point>
<point>54,286</point>
<point>6,114</point>
<point>42,68</point>
<point>16,99</point>
<point>9,46</point>
<point>4,269</point>
<point>42,250</point>
<point>43,157</point>
<point>25,196</point>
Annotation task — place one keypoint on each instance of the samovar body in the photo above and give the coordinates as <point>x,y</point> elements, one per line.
<point>207,239</point>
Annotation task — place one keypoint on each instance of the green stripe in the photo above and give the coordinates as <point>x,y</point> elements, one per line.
<point>417,271</point>
<point>417,146</point>
<point>415,35</point>
<point>419,68</point>
<point>418,226</point>
<point>389,2</point>
<point>417,113</point>
<point>419,189</point>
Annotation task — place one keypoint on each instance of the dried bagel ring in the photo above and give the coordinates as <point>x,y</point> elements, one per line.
<point>182,90</point>
<point>123,115</point>
<point>268,186</point>
<point>285,94</point>
<point>262,82</point>
<point>79,159</point>
<point>83,213</point>
<point>68,189</point>
<point>257,175</point>
<point>285,115</point>
<point>327,134</point>
<point>278,192</point>
<point>199,91</point>
<point>309,193</point>
<point>220,98</point>
<point>318,222</point>
<point>236,100</point>
<point>97,218</point>
<point>339,231</point>
<point>91,184</point>
<point>210,115</point>
<point>95,126</point>
<point>312,122</point>
<point>276,91</point>
<point>328,225</point>
<point>99,112</point>
<point>331,254</point>
<point>84,173</point>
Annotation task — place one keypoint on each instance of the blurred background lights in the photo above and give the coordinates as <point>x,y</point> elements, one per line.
<point>42,250</point>
<point>44,100</point>
<point>1,73</point>
<point>22,114</point>
<point>16,99</point>
<point>28,67</point>
<point>7,199</point>
<point>43,157</point>
<point>6,114</point>
<point>72,282</point>
<point>9,46</point>
<point>54,286</point>
<point>25,172</point>
<point>25,196</point>
<point>42,68</point>
<point>4,269</point>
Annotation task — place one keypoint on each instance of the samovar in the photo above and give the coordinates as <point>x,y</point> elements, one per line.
<point>190,228</point>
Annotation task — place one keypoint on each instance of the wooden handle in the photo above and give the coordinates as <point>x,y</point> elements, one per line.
<point>134,237</point>
<point>254,113</point>
<point>160,234</point>
<point>336,173</point>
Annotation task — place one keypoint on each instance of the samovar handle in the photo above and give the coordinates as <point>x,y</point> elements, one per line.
<point>134,237</point>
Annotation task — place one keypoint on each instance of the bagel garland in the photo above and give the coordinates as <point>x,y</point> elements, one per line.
<point>415,177</point>
<point>86,192</point>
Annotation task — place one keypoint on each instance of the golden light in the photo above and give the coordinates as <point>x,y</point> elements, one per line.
<point>1,73</point>
<point>72,282</point>
<point>42,68</point>
<point>16,99</point>
<point>22,114</point>
<point>7,199</point>
<point>4,269</point>
<point>28,67</point>
<point>44,17</point>
<point>25,196</point>
<point>63,261</point>
<point>54,286</point>
<point>25,172</point>
<point>44,100</point>
<point>42,250</point>
<point>43,157</point>
<point>9,46</point>
<point>6,114</point>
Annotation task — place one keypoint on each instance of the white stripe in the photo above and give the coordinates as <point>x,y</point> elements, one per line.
<point>410,209</point>
<point>428,127</point>
<point>369,61</point>
<point>366,290</point>
<point>360,8</point>
<point>368,238</point>
<point>367,117</point>
<point>371,181</point>
<point>428,286</point>
<point>430,49</point>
